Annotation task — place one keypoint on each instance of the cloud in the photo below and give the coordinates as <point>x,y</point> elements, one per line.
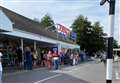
<point>65,11</point>
<point>1,2</point>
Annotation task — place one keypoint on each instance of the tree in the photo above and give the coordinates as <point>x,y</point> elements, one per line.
<point>79,26</point>
<point>119,46</point>
<point>47,21</point>
<point>89,37</point>
<point>97,35</point>
<point>115,44</point>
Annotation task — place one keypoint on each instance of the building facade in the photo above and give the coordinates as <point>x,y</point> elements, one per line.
<point>19,31</point>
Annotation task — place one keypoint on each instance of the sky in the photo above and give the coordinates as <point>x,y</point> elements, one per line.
<point>66,11</point>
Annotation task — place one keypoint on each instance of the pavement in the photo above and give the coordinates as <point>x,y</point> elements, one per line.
<point>90,72</point>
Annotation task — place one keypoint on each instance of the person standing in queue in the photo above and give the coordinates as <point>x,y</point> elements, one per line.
<point>104,58</point>
<point>0,68</point>
<point>28,58</point>
<point>81,54</point>
<point>56,60</point>
<point>71,59</point>
<point>19,55</point>
<point>34,58</point>
<point>43,59</point>
<point>49,59</point>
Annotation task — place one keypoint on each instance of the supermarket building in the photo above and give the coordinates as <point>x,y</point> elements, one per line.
<point>17,30</point>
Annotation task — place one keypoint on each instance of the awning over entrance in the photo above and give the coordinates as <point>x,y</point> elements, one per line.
<point>5,23</point>
<point>70,46</point>
<point>36,37</point>
<point>28,35</point>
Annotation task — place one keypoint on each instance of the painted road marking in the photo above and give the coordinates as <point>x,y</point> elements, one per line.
<point>68,69</point>
<point>15,73</point>
<point>65,70</point>
<point>48,78</point>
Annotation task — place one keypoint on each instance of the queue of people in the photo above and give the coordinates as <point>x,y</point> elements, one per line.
<point>73,57</point>
<point>1,67</point>
<point>30,58</point>
<point>55,59</point>
<point>51,59</point>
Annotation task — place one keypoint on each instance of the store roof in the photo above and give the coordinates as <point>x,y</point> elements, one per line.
<point>26,24</point>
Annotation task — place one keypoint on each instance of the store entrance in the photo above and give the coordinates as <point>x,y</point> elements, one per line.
<point>9,46</point>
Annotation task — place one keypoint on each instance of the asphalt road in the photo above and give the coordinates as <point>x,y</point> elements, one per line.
<point>91,72</point>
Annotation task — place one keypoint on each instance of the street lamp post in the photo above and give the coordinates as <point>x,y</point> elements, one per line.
<point>110,39</point>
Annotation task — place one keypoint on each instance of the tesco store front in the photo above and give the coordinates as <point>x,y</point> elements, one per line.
<point>18,31</point>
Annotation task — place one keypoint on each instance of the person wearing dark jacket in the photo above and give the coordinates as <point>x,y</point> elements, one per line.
<point>1,69</point>
<point>19,55</point>
<point>81,56</point>
<point>28,59</point>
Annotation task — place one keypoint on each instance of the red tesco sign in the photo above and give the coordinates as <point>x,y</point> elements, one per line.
<point>62,29</point>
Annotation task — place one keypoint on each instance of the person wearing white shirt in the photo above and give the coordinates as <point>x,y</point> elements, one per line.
<point>0,68</point>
